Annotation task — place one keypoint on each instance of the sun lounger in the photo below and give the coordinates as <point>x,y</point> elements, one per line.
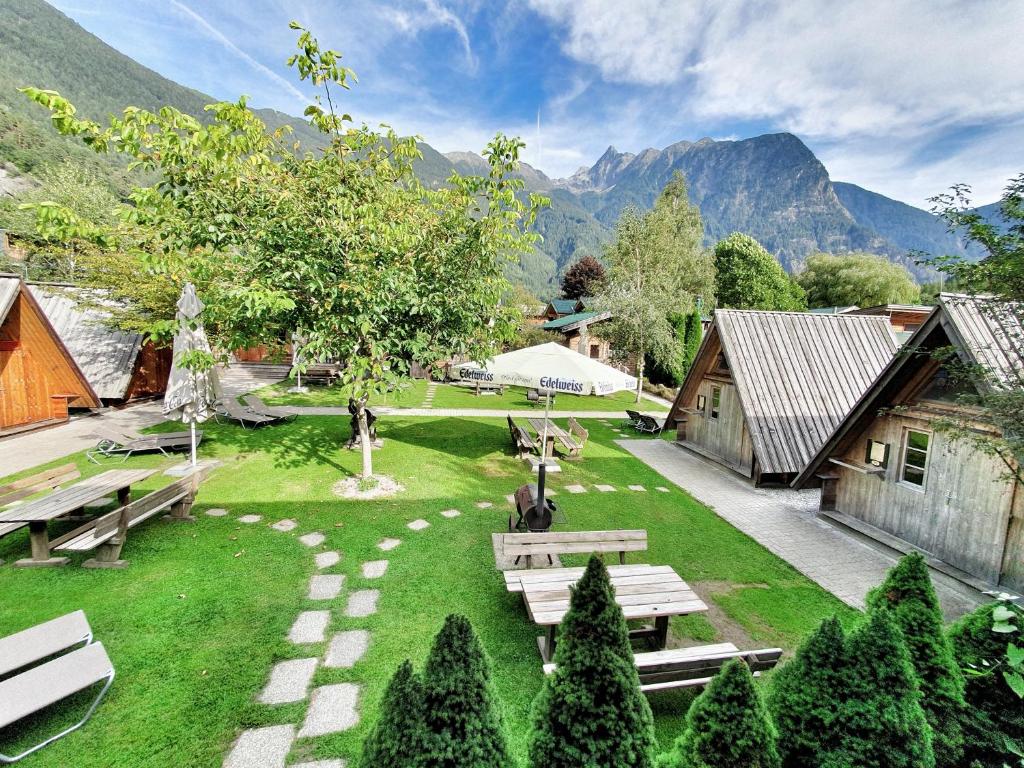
<point>650,424</point>
<point>115,441</point>
<point>41,669</point>
<point>249,419</point>
<point>632,418</point>
<point>257,405</point>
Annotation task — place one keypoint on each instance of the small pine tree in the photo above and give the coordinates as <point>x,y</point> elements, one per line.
<point>396,739</point>
<point>727,726</point>
<point>805,693</point>
<point>590,711</point>
<point>461,716</point>
<point>882,724</point>
<point>907,593</point>
<point>691,340</point>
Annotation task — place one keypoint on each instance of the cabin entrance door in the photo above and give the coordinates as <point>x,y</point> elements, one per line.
<point>15,408</point>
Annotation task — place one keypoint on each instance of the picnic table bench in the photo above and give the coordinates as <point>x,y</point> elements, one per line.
<point>30,486</point>
<point>481,387</point>
<point>569,543</point>
<point>521,439</point>
<point>555,432</point>
<point>574,439</point>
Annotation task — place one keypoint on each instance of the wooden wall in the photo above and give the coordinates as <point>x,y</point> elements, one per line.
<point>152,368</point>
<point>1013,557</point>
<point>725,438</point>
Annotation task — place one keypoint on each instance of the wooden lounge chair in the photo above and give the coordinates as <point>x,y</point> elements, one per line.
<point>40,668</point>
<point>117,441</point>
<point>650,424</point>
<point>249,419</point>
<point>49,480</point>
<point>257,405</point>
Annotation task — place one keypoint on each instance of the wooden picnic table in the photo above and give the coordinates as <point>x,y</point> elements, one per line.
<point>65,502</point>
<point>554,432</point>
<point>642,591</point>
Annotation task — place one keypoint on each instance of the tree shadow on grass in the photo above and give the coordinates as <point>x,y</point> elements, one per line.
<point>464,438</point>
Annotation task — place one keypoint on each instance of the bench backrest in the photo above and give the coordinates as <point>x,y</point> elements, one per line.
<point>148,504</point>
<point>36,643</point>
<point>573,542</point>
<point>578,431</point>
<point>635,416</point>
<point>41,481</point>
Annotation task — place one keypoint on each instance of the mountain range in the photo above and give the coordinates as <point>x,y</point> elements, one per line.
<point>772,187</point>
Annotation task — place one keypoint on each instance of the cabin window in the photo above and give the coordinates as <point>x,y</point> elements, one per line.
<point>595,350</point>
<point>702,404</point>
<point>716,401</point>
<point>915,457</point>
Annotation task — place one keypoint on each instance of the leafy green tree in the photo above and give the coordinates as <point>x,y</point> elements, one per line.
<point>908,595</point>
<point>656,265</point>
<point>692,336</point>
<point>882,724</point>
<point>590,711</point>
<point>804,695</point>
<point>584,278</point>
<point>461,712</point>
<point>748,277</point>
<point>727,726</point>
<point>856,279</point>
<point>397,738</point>
<point>345,244</point>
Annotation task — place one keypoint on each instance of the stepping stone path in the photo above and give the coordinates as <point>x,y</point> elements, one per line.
<point>449,513</point>
<point>262,747</point>
<point>325,587</point>
<point>312,539</point>
<point>374,569</point>
<point>309,627</point>
<point>285,525</point>
<point>637,488</point>
<point>388,544</point>
<point>250,519</point>
<point>605,488</point>
<point>362,603</point>
<point>216,512</point>
<point>574,489</point>
<point>338,763</point>
<point>289,681</point>
<point>484,505</point>
<point>332,708</point>
<point>347,648</point>
<point>418,525</point>
<point>662,488</point>
<point>428,399</point>
<point>326,559</point>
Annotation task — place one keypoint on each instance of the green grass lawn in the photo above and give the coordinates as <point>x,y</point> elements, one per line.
<point>200,616</point>
<point>337,396</point>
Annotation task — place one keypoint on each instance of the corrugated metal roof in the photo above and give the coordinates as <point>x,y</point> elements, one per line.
<point>798,374</point>
<point>990,332</point>
<point>106,355</point>
<point>564,306</point>
<point>579,317</point>
<point>8,293</point>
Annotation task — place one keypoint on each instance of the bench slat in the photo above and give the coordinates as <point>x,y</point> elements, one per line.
<point>573,547</point>
<point>35,643</point>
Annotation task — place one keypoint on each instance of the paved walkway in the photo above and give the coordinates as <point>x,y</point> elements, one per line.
<point>303,410</point>
<point>784,522</point>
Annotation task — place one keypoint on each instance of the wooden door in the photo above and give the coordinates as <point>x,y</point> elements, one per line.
<point>14,394</point>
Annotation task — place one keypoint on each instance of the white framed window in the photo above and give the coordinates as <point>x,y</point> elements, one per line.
<point>716,401</point>
<point>914,466</point>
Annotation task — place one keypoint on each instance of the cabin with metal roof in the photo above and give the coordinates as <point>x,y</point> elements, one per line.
<point>767,389</point>
<point>39,379</point>
<point>557,308</point>
<point>894,470</point>
<point>120,365</point>
<point>579,335</point>
<point>904,318</point>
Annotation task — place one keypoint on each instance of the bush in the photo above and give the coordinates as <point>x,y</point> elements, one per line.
<point>748,277</point>
<point>590,711</point>
<point>397,738</point>
<point>908,596</point>
<point>461,717</point>
<point>726,727</point>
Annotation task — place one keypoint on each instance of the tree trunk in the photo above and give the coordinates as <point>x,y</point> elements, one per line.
<point>639,378</point>
<point>364,439</point>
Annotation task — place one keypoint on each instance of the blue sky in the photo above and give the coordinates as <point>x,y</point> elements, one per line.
<point>904,97</point>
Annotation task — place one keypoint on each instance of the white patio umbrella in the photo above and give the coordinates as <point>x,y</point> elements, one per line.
<point>549,368</point>
<point>190,395</point>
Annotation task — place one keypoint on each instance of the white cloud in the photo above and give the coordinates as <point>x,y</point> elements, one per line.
<point>428,14</point>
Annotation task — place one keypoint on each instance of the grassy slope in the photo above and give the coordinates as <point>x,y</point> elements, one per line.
<point>193,626</point>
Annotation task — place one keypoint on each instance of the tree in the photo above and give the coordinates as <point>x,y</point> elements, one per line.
<point>461,714</point>
<point>908,595</point>
<point>397,738</point>
<point>748,277</point>
<point>343,244</point>
<point>692,336</point>
<point>583,278</point>
<point>856,279</point>
<point>882,724</point>
<point>590,711</point>
<point>656,266</point>
<point>804,695</point>
<point>727,726</point>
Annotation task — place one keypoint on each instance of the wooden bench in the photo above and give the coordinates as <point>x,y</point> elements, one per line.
<point>521,439</point>
<point>107,534</point>
<point>693,667</point>
<point>571,543</point>
<point>50,480</point>
<point>574,439</point>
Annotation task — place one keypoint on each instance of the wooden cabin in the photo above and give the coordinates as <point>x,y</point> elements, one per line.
<point>39,379</point>
<point>904,318</point>
<point>890,473</point>
<point>578,335</point>
<point>768,388</point>
<point>120,365</point>
<point>557,308</point>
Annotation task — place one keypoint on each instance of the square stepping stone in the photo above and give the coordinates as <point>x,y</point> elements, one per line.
<point>374,569</point>
<point>484,505</point>
<point>347,648</point>
<point>662,489</point>
<point>362,603</point>
<point>326,559</point>
<point>309,627</point>
<point>418,525</point>
<point>571,489</point>
<point>262,747</point>
<point>605,488</point>
<point>449,513</point>
<point>312,539</point>
<point>325,586</point>
<point>334,763</point>
<point>388,544</point>
<point>637,488</point>
<point>332,708</point>
<point>289,681</point>
<point>216,512</point>
<point>250,519</point>
<point>285,525</point>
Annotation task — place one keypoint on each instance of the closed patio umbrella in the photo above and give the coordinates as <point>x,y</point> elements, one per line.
<point>191,394</point>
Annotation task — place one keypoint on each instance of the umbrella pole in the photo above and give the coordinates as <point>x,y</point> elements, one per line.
<point>192,430</point>
<point>542,469</point>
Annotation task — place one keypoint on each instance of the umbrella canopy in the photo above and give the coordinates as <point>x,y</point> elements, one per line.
<point>549,367</point>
